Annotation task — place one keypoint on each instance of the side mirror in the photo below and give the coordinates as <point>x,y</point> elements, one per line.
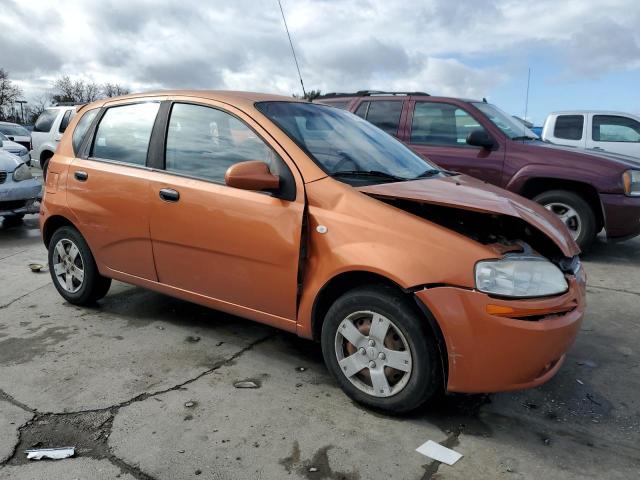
<point>251,175</point>
<point>480,138</point>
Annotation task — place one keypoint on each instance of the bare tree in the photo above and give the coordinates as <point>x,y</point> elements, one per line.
<point>35,108</point>
<point>310,95</point>
<point>79,91</point>
<point>9,93</point>
<point>113,90</point>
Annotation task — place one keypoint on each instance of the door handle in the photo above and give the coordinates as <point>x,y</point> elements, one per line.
<point>169,195</point>
<point>598,148</point>
<point>80,175</point>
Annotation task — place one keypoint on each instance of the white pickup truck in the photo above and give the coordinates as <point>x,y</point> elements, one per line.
<point>615,132</point>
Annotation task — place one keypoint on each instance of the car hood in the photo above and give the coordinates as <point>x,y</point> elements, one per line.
<point>467,193</point>
<point>8,161</point>
<point>617,158</point>
<point>11,145</point>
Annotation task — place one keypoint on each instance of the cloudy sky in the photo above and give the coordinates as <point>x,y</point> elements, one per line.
<point>582,53</point>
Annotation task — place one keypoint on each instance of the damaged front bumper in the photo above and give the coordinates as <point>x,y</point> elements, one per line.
<point>17,198</point>
<point>499,344</point>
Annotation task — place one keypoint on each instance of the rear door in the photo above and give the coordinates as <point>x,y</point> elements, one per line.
<point>108,188</point>
<point>439,131</point>
<point>237,247</point>
<point>615,133</point>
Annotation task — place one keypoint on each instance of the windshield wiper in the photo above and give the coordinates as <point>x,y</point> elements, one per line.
<point>428,173</point>
<point>369,173</point>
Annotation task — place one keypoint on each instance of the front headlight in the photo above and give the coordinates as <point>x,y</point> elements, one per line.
<point>631,182</point>
<point>22,173</point>
<point>520,276</point>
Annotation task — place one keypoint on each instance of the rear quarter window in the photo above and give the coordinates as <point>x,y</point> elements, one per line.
<point>569,127</point>
<point>82,127</point>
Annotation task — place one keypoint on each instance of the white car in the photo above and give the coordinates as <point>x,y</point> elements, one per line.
<point>47,132</point>
<point>615,132</point>
<point>15,149</point>
<point>16,133</point>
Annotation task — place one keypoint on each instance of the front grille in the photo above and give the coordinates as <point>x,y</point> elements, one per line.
<point>3,176</point>
<point>12,204</point>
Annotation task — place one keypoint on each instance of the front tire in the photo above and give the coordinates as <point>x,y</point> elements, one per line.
<point>380,350</point>
<point>73,268</point>
<point>574,212</point>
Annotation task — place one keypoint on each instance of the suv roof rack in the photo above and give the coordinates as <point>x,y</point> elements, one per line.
<point>370,93</point>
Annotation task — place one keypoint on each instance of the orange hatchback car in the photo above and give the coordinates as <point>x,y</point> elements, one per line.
<point>307,218</point>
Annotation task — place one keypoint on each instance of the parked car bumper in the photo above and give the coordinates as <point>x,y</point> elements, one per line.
<point>492,353</point>
<point>19,197</point>
<point>622,215</point>
<point>35,162</point>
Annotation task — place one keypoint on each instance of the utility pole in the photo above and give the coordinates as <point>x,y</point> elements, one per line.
<point>22,102</point>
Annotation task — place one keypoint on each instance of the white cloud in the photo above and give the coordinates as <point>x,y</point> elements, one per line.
<point>460,48</point>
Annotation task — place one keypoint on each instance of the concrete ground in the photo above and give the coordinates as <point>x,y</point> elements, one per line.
<point>143,386</point>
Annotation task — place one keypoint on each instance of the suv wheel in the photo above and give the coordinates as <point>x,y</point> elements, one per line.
<point>73,268</point>
<point>574,212</point>
<point>380,351</point>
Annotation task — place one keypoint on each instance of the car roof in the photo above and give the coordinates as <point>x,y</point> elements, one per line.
<point>10,123</point>
<point>238,98</point>
<point>601,112</point>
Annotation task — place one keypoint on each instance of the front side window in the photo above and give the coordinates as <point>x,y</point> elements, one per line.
<point>613,128</point>
<point>45,120</point>
<point>385,115</point>
<point>81,128</point>
<point>203,142</point>
<point>569,127</point>
<point>441,124</point>
<point>124,132</point>
<point>512,128</point>
<point>344,145</point>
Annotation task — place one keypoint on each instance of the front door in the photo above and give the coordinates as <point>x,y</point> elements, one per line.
<point>235,246</point>
<point>439,132</point>
<point>615,133</point>
<point>109,191</point>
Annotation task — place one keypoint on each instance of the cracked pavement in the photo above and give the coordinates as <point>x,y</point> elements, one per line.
<point>143,386</point>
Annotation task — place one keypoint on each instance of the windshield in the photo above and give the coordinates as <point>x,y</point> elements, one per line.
<point>509,125</point>
<point>14,130</point>
<point>344,145</point>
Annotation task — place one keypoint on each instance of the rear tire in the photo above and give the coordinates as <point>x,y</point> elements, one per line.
<point>73,268</point>
<point>44,164</point>
<point>575,213</point>
<point>402,338</point>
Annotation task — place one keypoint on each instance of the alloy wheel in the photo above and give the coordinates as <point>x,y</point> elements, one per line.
<point>568,215</point>
<point>373,354</point>
<point>68,265</point>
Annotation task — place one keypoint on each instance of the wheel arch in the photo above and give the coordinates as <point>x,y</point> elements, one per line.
<point>538,185</point>
<point>52,224</point>
<point>345,281</point>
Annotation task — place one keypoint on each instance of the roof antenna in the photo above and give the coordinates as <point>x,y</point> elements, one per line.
<point>526,105</point>
<point>292,49</point>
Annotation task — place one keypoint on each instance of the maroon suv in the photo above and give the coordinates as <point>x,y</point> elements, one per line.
<point>588,190</point>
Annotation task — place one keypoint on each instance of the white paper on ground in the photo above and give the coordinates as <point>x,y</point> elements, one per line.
<point>52,453</point>
<point>436,451</point>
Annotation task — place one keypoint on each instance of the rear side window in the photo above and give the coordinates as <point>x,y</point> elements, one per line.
<point>124,132</point>
<point>569,127</point>
<point>362,109</point>
<point>64,123</point>
<point>385,115</point>
<point>441,124</point>
<point>45,121</point>
<point>203,142</point>
<point>81,129</point>
<point>613,128</point>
